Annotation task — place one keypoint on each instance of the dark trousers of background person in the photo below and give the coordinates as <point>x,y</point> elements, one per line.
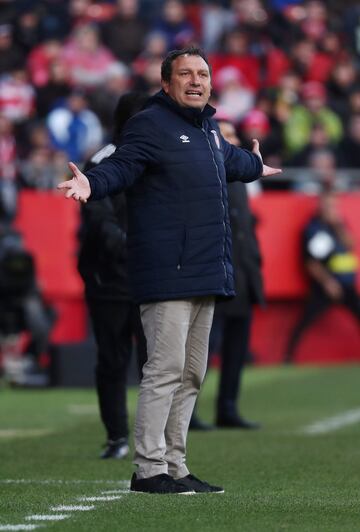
<point>315,306</point>
<point>234,356</point>
<point>115,324</point>
<point>38,319</point>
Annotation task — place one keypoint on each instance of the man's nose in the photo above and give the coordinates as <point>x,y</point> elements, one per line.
<point>195,79</point>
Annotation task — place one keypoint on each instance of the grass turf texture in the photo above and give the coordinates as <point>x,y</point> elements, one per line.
<point>275,479</point>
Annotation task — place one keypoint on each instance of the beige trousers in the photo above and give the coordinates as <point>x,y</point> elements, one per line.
<point>177,335</point>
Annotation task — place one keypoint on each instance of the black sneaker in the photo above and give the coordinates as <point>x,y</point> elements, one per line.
<point>199,486</point>
<point>116,449</point>
<point>164,484</point>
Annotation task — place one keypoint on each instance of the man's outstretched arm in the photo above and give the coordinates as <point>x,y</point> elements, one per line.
<point>241,163</point>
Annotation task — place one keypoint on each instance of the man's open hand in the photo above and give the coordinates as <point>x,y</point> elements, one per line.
<point>78,187</point>
<point>267,170</point>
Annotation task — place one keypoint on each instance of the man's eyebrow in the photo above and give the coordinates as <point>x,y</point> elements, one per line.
<point>201,70</point>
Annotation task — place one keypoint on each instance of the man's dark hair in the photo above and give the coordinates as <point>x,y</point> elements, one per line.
<point>166,66</point>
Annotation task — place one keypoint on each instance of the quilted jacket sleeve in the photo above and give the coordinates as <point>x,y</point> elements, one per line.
<point>139,146</point>
<point>240,164</point>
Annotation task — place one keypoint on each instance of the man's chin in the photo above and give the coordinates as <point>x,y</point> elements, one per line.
<point>195,105</point>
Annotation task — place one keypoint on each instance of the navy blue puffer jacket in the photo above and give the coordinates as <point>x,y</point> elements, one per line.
<point>174,164</point>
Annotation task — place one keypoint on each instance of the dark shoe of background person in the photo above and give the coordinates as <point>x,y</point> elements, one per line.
<point>197,424</point>
<point>116,449</point>
<point>162,484</point>
<point>236,422</point>
<point>199,486</point>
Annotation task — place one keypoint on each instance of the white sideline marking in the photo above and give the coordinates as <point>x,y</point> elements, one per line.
<point>115,492</point>
<point>83,409</point>
<point>19,527</point>
<point>103,498</point>
<point>350,417</point>
<point>125,483</point>
<point>50,517</point>
<point>24,433</point>
<point>72,508</point>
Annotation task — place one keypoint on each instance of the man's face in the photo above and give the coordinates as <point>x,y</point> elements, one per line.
<point>190,83</point>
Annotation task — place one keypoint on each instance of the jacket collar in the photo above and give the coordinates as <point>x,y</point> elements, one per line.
<point>195,116</point>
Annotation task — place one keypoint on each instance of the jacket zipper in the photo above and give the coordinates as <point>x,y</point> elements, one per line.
<point>222,197</point>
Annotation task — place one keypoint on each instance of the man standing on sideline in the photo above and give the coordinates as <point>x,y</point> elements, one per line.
<point>174,163</point>
<point>115,318</point>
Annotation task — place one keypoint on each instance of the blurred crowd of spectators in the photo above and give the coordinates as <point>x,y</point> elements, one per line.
<point>284,71</point>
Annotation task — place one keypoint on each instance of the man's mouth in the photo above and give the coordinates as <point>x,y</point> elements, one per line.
<point>193,93</point>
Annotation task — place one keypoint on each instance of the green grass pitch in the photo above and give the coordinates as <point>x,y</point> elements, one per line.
<point>279,478</point>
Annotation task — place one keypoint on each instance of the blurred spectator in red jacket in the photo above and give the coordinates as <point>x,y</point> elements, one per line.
<point>235,52</point>
<point>87,59</point>
<point>17,96</point>
<point>40,60</point>
<point>309,63</point>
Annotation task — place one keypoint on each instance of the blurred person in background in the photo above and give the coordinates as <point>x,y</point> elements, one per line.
<point>86,58</point>
<point>331,265</point>
<point>215,20</point>
<point>103,99</point>
<point>174,25</point>
<point>235,96</point>
<point>11,56</point>
<point>17,97</point>
<point>40,60</point>
<point>149,80</point>
<point>56,89</point>
<point>348,153</point>
<point>8,169</point>
<point>303,116</point>
<point>310,63</point>
<point>320,171</point>
<point>103,267</point>
<point>342,82</point>
<point>235,52</point>
<point>256,125</point>
<point>22,309</point>
<point>27,29</point>
<point>43,169</point>
<point>318,140</point>
<point>125,33</point>
<point>234,317</point>
<point>74,128</point>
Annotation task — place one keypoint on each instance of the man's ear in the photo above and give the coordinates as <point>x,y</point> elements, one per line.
<point>165,86</point>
